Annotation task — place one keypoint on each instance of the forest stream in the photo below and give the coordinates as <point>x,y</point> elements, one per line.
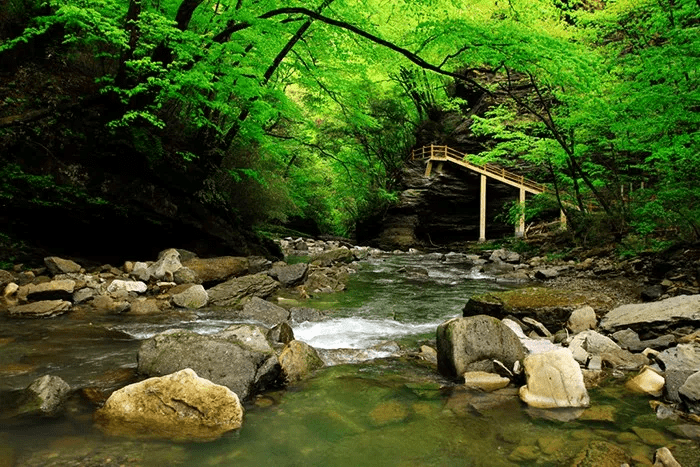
<point>383,411</point>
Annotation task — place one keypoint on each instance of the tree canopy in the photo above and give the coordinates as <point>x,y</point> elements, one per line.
<point>310,109</point>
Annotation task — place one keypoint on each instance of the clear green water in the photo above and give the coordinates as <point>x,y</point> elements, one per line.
<point>386,412</point>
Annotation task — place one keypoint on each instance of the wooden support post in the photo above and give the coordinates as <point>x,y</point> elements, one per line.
<point>438,169</point>
<point>428,168</point>
<point>482,210</point>
<point>520,229</point>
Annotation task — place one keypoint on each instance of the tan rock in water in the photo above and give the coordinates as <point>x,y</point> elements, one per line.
<point>647,382</point>
<point>554,380</point>
<point>298,360</point>
<point>180,406</point>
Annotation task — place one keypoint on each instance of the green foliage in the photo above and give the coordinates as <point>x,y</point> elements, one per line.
<point>289,113</point>
<point>19,187</point>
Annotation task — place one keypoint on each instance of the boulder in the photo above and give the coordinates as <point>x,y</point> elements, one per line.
<point>593,343</point>
<point>546,274</point>
<point>238,357</point>
<point>118,285</point>
<point>189,296</point>
<point>473,343</point>
<point>647,381</point>
<point>45,396</point>
<point>336,255</point>
<point>551,307</point>
<point>582,319</point>
<point>664,458</point>
<point>281,333</point>
<point>290,275</point>
<point>505,256</point>
<point>234,291</point>
<point>6,277</point>
<point>689,393</point>
<point>554,380</point>
<point>180,406</point>
<point>483,381</point>
<point>58,265</point>
<point>43,309</point>
<point>299,315</point>
<point>263,311</point>
<point>322,281</point>
<point>186,275</point>
<point>51,290</point>
<point>298,359</point>
<point>661,315</point>
<point>652,293</point>
<point>678,363</point>
<point>215,270</point>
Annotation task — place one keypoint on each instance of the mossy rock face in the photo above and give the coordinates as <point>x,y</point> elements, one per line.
<point>551,307</point>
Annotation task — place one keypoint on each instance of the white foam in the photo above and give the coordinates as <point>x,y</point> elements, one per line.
<point>356,333</point>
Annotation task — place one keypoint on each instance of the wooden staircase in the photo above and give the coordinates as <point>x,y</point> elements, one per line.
<point>442,154</point>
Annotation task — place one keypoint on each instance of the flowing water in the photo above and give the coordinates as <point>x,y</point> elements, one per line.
<point>387,411</point>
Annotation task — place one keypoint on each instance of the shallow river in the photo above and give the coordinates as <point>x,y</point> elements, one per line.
<point>382,412</point>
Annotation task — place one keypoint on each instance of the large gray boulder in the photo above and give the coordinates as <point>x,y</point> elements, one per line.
<point>240,357</point>
<point>554,380</point>
<point>654,316</point>
<point>263,311</point>
<point>234,291</point>
<point>473,343</point>
<point>181,406</point>
<point>215,270</point>
<point>678,363</point>
<point>337,255</point>
<point>290,274</point>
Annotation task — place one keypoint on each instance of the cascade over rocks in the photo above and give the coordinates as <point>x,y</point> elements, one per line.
<point>180,406</point>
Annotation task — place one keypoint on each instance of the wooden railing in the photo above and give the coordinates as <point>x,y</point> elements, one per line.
<point>446,153</point>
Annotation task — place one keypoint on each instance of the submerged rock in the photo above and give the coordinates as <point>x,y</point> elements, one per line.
<point>473,343</point>
<point>180,406</point>
<point>554,379</point>
<point>45,396</point>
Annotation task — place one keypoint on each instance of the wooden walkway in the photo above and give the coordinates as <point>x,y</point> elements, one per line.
<point>441,154</point>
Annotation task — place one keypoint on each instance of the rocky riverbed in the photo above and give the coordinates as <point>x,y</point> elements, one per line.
<point>581,323</point>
